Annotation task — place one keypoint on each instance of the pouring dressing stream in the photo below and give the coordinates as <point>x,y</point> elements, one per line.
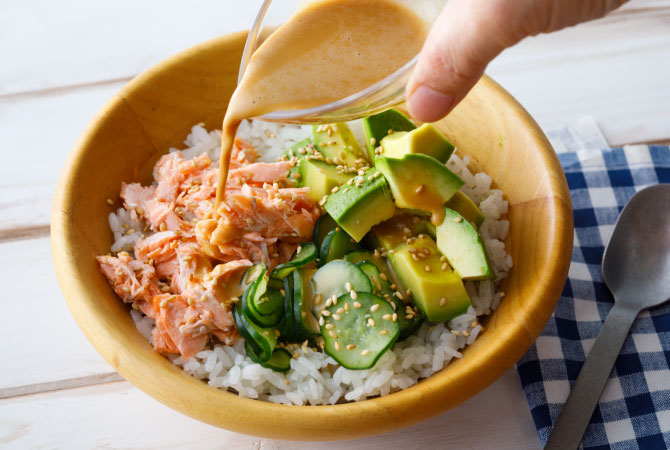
<point>326,51</point>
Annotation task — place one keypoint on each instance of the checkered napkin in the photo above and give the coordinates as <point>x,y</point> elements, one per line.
<point>634,409</point>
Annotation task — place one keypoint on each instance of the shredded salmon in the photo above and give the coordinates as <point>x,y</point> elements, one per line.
<point>186,273</point>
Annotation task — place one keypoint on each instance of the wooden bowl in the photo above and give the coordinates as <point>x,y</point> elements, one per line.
<point>156,111</point>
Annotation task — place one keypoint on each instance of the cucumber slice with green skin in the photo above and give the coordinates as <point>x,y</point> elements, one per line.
<point>382,288</point>
<point>276,284</point>
<point>322,227</point>
<point>261,306</point>
<point>287,331</point>
<point>306,324</point>
<point>336,244</point>
<point>280,361</point>
<point>358,256</point>
<point>304,254</point>
<point>358,331</point>
<point>251,275</point>
<point>269,303</point>
<point>332,279</point>
<point>262,340</point>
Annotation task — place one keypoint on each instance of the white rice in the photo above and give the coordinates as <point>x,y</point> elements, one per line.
<point>314,377</point>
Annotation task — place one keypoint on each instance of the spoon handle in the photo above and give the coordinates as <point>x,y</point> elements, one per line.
<point>583,398</point>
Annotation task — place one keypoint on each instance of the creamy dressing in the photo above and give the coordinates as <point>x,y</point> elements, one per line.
<point>326,51</point>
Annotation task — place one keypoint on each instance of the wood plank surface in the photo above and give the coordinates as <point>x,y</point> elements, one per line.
<point>116,415</point>
<point>42,343</point>
<point>38,133</point>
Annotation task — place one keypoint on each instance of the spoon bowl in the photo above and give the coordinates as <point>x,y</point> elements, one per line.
<point>636,263</point>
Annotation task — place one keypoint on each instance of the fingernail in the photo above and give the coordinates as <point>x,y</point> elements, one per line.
<point>429,105</point>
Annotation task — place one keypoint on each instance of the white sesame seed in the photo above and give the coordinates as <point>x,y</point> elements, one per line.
<point>366,351</point>
<point>298,250</point>
<point>337,346</point>
<point>371,322</point>
<point>374,307</point>
<point>321,321</point>
<point>383,276</point>
<point>353,294</point>
<point>373,141</point>
<point>419,189</point>
<point>387,317</point>
<point>330,326</point>
<point>443,301</point>
<point>383,332</point>
<point>399,295</point>
<point>395,317</point>
<point>340,311</point>
<point>347,286</point>
<point>357,305</point>
<point>110,202</point>
<point>444,266</point>
<point>351,346</point>
<point>332,334</point>
<point>426,268</point>
<point>325,312</point>
<point>458,219</point>
<point>336,317</point>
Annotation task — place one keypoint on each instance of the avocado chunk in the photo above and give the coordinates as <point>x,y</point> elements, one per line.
<point>297,152</point>
<point>377,127</point>
<point>397,229</point>
<point>459,241</point>
<point>320,177</point>
<point>426,139</point>
<point>437,291</point>
<point>464,206</point>
<point>338,145</point>
<point>361,203</point>
<point>420,182</point>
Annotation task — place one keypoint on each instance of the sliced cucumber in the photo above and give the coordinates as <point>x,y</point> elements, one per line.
<point>358,256</point>
<point>322,228</point>
<point>383,289</point>
<point>288,330</point>
<point>336,244</point>
<point>269,303</point>
<point>251,274</point>
<point>358,331</point>
<point>276,284</point>
<point>304,254</point>
<point>306,324</point>
<point>380,286</point>
<point>332,279</point>
<point>280,361</point>
<point>261,306</point>
<point>262,340</point>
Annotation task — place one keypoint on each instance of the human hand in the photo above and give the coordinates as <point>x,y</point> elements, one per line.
<point>468,34</point>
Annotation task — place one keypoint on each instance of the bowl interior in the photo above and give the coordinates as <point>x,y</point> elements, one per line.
<point>156,111</point>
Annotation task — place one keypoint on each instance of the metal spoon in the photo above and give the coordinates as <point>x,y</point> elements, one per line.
<point>636,269</point>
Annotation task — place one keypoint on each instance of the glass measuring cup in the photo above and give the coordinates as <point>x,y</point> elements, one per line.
<point>384,94</point>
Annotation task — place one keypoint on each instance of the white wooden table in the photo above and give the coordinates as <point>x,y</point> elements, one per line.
<point>61,60</point>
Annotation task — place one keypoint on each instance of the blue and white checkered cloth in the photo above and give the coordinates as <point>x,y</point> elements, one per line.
<point>634,409</point>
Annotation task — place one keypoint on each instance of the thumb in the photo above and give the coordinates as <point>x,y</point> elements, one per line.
<point>463,40</point>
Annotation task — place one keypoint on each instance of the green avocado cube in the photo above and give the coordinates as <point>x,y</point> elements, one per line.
<point>426,139</point>
<point>437,291</point>
<point>378,126</point>
<point>419,182</point>
<point>396,230</point>
<point>463,205</point>
<point>320,177</point>
<point>459,241</point>
<point>361,204</point>
<point>338,145</point>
